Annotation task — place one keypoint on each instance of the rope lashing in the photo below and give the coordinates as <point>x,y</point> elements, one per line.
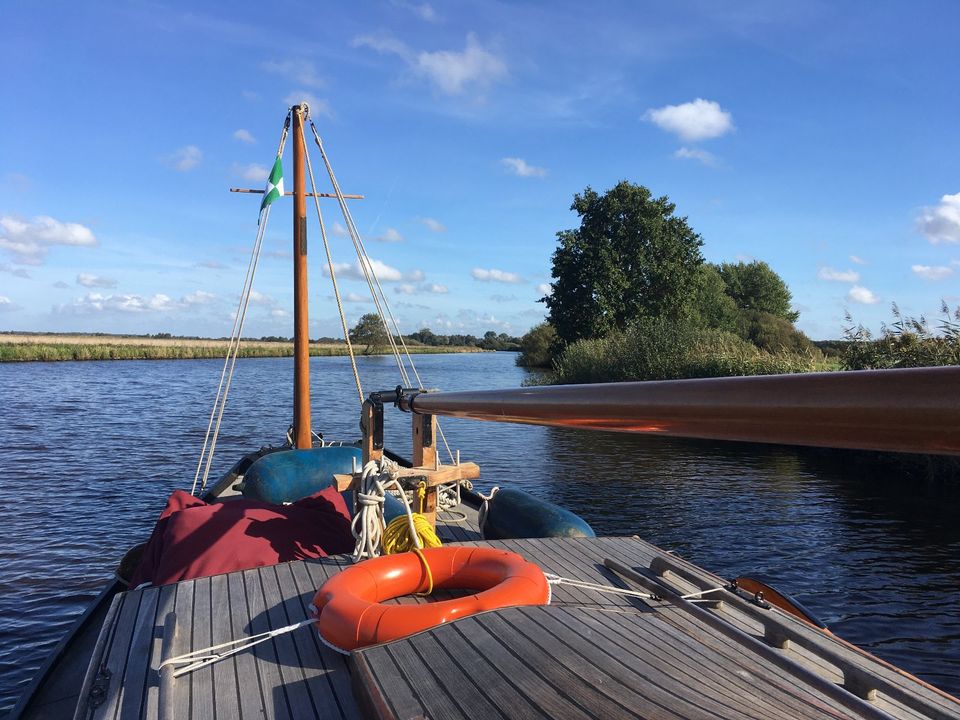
<point>197,659</point>
<point>483,508</point>
<point>368,528</point>
<point>553,579</point>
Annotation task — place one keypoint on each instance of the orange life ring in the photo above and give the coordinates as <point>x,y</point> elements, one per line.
<point>351,616</point>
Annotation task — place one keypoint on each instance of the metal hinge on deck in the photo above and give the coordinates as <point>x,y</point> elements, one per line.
<point>98,691</point>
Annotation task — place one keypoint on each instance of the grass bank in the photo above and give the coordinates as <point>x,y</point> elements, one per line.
<point>55,347</point>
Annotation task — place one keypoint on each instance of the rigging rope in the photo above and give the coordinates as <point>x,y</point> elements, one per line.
<point>373,283</point>
<point>367,527</point>
<point>333,275</point>
<point>233,347</point>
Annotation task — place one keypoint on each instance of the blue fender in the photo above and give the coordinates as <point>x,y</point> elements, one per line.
<point>513,513</point>
<point>289,475</point>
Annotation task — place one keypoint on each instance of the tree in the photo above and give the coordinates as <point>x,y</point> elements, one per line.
<point>755,286</point>
<point>710,305</point>
<point>630,258</point>
<point>536,346</point>
<point>369,331</point>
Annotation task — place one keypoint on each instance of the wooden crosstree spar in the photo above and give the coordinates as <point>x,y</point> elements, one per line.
<point>908,410</point>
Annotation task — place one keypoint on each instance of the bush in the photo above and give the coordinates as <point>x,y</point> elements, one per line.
<point>660,349</point>
<point>536,347</point>
<point>773,334</point>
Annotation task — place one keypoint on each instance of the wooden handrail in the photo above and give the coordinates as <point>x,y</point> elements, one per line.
<point>914,410</point>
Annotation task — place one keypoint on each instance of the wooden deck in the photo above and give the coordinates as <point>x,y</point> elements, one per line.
<point>587,655</point>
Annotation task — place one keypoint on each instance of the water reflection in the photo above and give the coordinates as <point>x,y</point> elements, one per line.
<point>92,449</point>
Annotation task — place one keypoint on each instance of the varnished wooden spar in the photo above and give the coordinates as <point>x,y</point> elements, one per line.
<point>322,195</point>
<point>302,437</point>
<point>911,410</point>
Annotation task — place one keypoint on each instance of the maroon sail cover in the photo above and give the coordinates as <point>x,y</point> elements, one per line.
<point>195,539</point>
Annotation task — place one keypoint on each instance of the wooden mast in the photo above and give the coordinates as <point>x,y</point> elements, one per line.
<point>301,339</point>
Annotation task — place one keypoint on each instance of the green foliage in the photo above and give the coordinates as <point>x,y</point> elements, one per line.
<point>755,286</point>
<point>369,331</point>
<point>710,305</point>
<point>772,333</point>
<point>630,258</point>
<point>536,347</point>
<point>906,342</point>
<point>662,349</point>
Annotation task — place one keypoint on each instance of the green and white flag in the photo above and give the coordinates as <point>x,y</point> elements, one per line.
<point>274,187</point>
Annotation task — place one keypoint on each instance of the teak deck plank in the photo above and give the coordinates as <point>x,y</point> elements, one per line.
<point>587,655</point>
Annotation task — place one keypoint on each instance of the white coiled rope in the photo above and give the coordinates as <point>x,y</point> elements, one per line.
<point>368,526</point>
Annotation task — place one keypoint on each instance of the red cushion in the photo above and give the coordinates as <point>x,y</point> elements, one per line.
<point>194,539</point>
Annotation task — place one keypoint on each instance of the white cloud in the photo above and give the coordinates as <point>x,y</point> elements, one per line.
<point>353,297</point>
<point>862,295</point>
<point>29,241</point>
<point>503,298</point>
<point>299,71</point>
<point>384,272</point>
<point>244,136</point>
<point>339,230</point>
<point>450,71</point>
<point>941,223</point>
<point>424,11</point>
<point>433,225</point>
<point>317,106</point>
<point>252,172</point>
<point>95,281</point>
<point>519,166</point>
<point>494,275</point>
<point>412,289</point>
<point>279,313</point>
<point>685,153</point>
<point>258,298</point>
<point>544,288</point>
<point>199,297</point>
<point>692,121</point>
<point>828,273</point>
<point>97,302</point>
<point>390,235</point>
<point>185,159</point>
<point>936,272</point>
<point>857,260</point>
<point>61,285</point>
<point>6,304</point>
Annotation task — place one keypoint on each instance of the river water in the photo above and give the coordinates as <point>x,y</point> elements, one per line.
<point>91,449</point>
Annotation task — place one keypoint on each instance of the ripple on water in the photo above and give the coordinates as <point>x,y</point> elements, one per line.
<point>92,450</point>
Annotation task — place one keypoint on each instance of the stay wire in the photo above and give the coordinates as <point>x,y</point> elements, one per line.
<point>367,268</point>
<point>233,347</point>
<point>333,275</point>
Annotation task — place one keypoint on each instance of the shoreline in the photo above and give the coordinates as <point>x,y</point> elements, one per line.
<point>50,347</point>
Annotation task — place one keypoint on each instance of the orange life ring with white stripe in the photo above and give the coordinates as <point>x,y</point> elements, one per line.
<point>349,605</point>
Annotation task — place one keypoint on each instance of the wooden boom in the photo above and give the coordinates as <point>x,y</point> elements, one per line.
<point>910,410</point>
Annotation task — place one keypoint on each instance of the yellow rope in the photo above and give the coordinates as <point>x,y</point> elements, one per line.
<point>396,539</point>
<point>426,567</point>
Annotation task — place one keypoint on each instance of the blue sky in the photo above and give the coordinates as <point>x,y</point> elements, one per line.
<point>820,137</point>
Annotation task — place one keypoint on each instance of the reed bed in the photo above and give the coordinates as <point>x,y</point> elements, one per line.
<point>51,348</point>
